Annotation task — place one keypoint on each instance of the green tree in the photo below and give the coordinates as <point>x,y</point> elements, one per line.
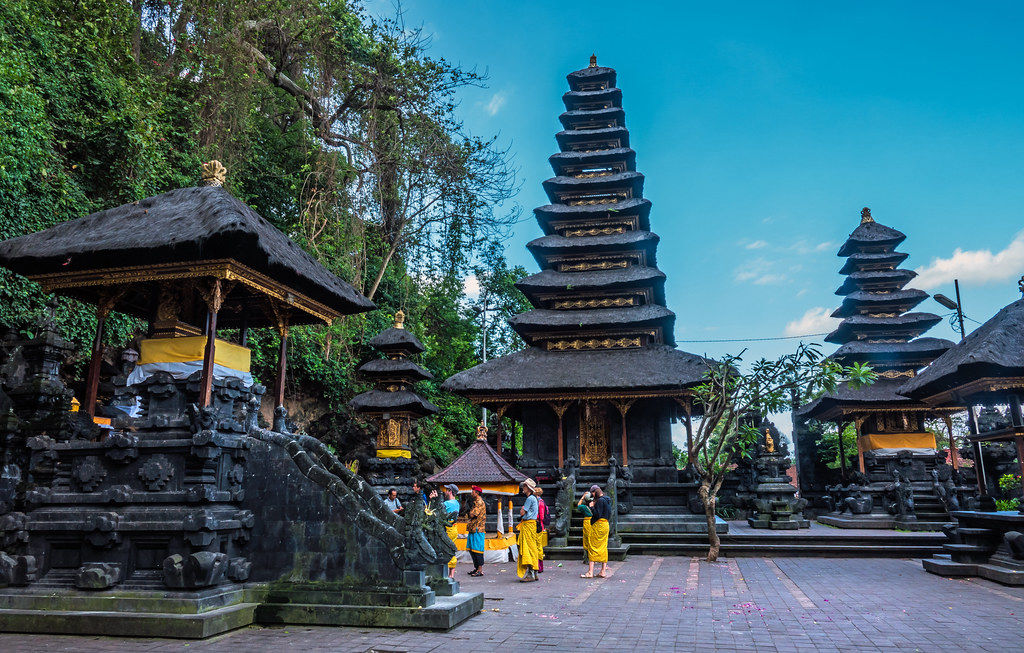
<point>732,403</point>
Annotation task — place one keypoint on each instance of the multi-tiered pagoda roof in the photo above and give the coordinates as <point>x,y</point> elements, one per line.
<point>879,327</point>
<point>599,320</point>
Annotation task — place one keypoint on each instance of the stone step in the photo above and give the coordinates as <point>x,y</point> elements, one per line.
<point>770,549</point>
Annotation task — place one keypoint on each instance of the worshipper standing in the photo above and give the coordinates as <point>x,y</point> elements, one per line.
<point>417,488</point>
<point>451,506</point>
<point>583,507</point>
<point>475,539</point>
<point>392,501</point>
<point>599,529</point>
<point>529,540</point>
<point>542,518</point>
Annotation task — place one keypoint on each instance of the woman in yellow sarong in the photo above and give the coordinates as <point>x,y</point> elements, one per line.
<point>530,551</point>
<point>451,505</point>
<point>583,507</point>
<point>599,530</point>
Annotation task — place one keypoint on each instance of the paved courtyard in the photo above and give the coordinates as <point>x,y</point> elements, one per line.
<point>652,603</point>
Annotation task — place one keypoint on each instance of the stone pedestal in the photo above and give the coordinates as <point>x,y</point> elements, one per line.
<point>984,544</point>
<point>775,503</point>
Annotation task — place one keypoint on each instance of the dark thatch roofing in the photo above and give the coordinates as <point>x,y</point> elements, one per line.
<point>395,368</point>
<point>619,181</point>
<point>631,206</point>
<point>871,233</point>
<point>187,224</point>
<point>572,99</point>
<point>569,136</point>
<point>626,155</point>
<point>628,241</point>
<point>904,299</point>
<point>890,278</point>
<point>882,391</point>
<point>377,401</point>
<point>996,348</point>
<point>590,74</point>
<point>656,367</point>
<point>395,339</point>
<point>908,322</point>
<point>571,118</point>
<point>854,262</point>
<point>594,317</point>
<point>547,280</point>
<point>479,463</point>
<point>550,281</point>
<point>880,352</point>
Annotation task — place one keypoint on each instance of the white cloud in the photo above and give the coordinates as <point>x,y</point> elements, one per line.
<point>497,102</point>
<point>760,272</point>
<point>471,286</point>
<point>978,266</point>
<point>757,244</point>
<point>815,320</point>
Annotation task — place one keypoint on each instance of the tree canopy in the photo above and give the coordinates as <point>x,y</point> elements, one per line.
<point>339,128</point>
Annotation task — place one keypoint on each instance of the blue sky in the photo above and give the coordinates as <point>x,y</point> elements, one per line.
<point>763,128</point>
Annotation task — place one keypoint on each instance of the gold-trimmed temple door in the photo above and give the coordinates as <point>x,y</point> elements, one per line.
<point>594,444</point>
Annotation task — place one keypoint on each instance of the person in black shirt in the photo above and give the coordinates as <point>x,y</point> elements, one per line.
<point>599,530</point>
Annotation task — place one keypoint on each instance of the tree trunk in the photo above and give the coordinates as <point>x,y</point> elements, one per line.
<point>137,30</point>
<point>380,274</point>
<point>710,501</point>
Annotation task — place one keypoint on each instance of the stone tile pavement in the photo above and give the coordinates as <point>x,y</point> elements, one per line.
<point>653,603</point>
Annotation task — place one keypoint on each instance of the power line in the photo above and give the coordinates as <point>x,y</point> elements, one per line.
<point>806,335</point>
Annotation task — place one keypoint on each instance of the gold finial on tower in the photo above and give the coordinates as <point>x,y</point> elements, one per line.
<point>865,215</point>
<point>481,432</point>
<point>593,61</point>
<point>400,319</point>
<point>214,173</point>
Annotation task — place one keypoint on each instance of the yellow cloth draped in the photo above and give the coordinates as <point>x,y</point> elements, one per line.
<point>530,551</point>
<point>873,441</point>
<point>586,535</point>
<point>192,348</point>
<point>598,550</point>
<point>453,533</point>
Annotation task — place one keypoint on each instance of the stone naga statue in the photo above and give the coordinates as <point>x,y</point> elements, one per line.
<point>564,500</point>
<point>414,542</point>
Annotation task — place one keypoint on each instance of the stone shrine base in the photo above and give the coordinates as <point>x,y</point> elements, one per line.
<point>876,521</point>
<point>980,545</point>
<point>205,613</point>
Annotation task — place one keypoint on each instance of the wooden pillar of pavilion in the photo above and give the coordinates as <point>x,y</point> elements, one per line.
<point>92,379</point>
<point>560,408</point>
<point>954,455</point>
<point>623,406</point>
<point>282,363</point>
<point>979,461</point>
<point>214,300</point>
<point>860,445</point>
<point>842,450</point>
<point>499,430</point>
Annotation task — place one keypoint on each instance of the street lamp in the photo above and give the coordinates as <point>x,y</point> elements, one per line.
<point>953,306</point>
<point>483,310</point>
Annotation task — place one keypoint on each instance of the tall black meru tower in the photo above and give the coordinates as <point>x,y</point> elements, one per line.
<point>601,378</point>
<point>880,329</point>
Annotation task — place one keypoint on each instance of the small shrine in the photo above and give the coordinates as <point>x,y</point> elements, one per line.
<point>984,372</point>
<point>183,517</point>
<point>481,465</point>
<point>775,505</point>
<point>893,448</point>
<point>393,405</point>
